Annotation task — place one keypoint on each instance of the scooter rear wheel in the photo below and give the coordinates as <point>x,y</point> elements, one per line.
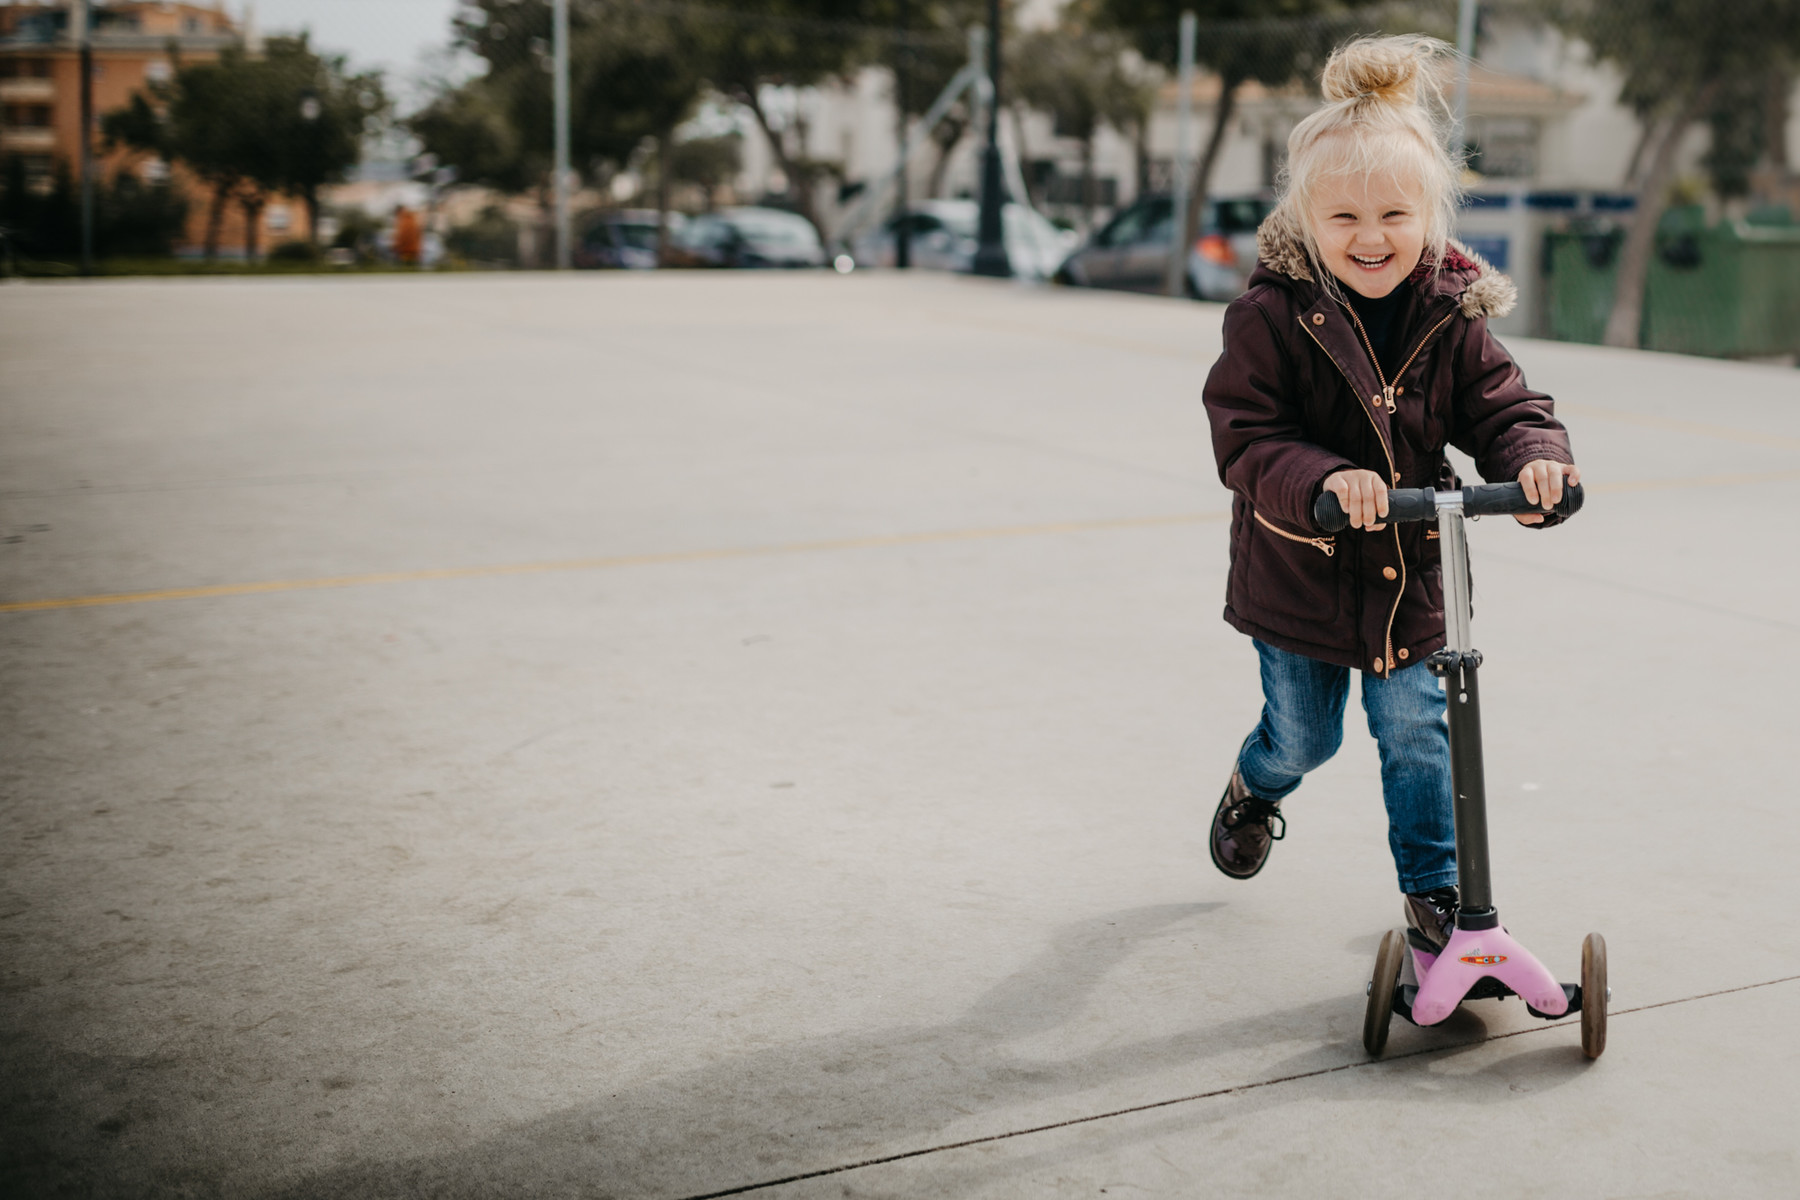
<point>1593,995</point>
<point>1380,1009</point>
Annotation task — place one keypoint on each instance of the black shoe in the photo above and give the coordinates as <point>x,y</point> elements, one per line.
<point>1433,913</point>
<point>1243,829</point>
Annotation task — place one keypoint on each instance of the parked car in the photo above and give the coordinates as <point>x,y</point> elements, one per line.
<point>747,237</point>
<point>623,239</point>
<point>1131,251</point>
<point>942,235</point>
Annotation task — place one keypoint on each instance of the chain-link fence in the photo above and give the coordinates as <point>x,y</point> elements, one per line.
<point>810,132</point>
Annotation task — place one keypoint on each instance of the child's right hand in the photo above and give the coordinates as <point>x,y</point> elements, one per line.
<point>1363,495</point>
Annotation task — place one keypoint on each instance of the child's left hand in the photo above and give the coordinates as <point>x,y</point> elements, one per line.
<point>1543,480</point>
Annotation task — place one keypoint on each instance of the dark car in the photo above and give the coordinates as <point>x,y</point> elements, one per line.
<point>624,239</point>
<point>1131,251</point>
<point>748,237</point>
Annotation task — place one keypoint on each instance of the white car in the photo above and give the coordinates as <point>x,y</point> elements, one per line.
<point>942,236</point>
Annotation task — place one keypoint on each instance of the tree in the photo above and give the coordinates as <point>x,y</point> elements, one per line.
<point>249,126</point>
<point>707,162</point>
<point>926,43</point>
<point>635,73</point>
<point>1683,61</point>
<point>195,118</point>
<point>762,44</point>
<point>1082,79</point>
<point>1271,42</point>
<point>314,115</point>
<point>131,217</point>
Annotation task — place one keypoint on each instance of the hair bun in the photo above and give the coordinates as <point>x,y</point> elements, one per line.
<point>1387,69</point>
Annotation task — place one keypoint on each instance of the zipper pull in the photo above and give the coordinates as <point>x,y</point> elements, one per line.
<point>1325,544</point>
<point>1388,394</point>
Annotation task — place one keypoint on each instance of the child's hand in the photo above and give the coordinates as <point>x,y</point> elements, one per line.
<point>1363,495</point>
<point>1543,480</point>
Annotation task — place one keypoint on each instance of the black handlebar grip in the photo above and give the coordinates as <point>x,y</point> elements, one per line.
<point>1329,513</point>
<point>1404,504</point>
<point>1493,499</point>
<point>1412,504</point>
<point>1420,504</point>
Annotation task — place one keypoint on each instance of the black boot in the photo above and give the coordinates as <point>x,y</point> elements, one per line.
<point>1433,913</point>
<point>1243,829</point>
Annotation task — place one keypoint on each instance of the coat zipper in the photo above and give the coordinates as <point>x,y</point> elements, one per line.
<point>1328,545</point>
<point>1387,389</point>
<point>1387,395</point>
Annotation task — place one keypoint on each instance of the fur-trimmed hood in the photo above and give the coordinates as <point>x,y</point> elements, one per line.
<point>1481,291</point>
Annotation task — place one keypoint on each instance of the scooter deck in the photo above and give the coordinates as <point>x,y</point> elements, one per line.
<point>1487,987</point>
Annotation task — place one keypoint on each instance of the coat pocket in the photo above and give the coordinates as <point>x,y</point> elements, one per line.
<point>1292,577</point>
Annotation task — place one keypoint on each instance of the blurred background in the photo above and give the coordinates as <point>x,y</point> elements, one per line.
<point>1630,162</point>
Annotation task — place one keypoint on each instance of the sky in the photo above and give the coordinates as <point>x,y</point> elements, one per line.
<point>392,34</point>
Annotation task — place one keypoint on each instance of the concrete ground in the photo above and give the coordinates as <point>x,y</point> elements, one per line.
<point>692,735</point>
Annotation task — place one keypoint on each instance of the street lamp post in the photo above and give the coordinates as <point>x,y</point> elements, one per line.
<point>902,78</point>
<point>1465,45</point>
<point>990,253</point>
<point>78,17</point>
<point>311,109</point>
<point>559,68</point>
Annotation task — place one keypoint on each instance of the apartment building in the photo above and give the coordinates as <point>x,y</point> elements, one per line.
<point>135,44</point>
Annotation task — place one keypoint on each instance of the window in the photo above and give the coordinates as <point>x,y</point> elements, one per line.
<point>1504,148</point>
<point>24,68</point>
<point>27,116</point>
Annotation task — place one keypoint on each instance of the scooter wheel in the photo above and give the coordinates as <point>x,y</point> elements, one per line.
<point>1593,995</point>
<point>1380,1010</point>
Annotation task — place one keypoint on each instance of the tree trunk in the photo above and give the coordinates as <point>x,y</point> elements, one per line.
<point>1646,136</point>
<point>1197,193</point>
<point>1087,182</point>
<point>946,146</point>
<point>311,197</point>
<point>215,218</point>
<point>665,146</point>
<point>799,187</point>
<point>1140,153</point>
<point>1781,86</point>
<point>252,204</point>
<point>1624,325</point>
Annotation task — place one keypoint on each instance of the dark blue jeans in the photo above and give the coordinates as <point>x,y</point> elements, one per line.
<point>1303,725</point>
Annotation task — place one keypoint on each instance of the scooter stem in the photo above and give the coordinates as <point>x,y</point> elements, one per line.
<point>1458,665</point>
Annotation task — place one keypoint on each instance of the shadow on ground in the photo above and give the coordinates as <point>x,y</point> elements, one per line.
<point>774,1113</point>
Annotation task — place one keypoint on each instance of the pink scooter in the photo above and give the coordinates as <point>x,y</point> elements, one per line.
<point>1481,961</point>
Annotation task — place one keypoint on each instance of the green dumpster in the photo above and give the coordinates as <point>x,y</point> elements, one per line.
<point>1730,291</point>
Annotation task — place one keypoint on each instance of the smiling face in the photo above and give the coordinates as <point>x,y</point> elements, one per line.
<point>1370,231</point>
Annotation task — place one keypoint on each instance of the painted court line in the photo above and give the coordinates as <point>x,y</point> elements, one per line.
<point>600,564</point>
<point>1214,1094</point>
<point>717,555</point>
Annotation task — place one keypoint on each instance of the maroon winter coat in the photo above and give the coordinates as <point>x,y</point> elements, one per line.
<point>1297,396</point>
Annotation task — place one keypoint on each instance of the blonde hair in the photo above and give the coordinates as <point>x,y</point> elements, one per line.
<point>1384,116</point>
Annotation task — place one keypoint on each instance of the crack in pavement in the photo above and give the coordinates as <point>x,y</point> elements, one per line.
<point>1234,1089</point>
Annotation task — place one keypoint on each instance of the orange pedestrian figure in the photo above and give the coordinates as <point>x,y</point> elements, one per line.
<point>409,236</point>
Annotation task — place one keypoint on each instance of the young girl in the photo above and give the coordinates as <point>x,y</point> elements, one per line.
<point>1360,351</point>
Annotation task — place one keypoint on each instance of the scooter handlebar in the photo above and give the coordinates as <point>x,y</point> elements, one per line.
<point>1420,504</point>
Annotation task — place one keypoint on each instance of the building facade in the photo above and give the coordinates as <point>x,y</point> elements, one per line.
<point>135,45</point>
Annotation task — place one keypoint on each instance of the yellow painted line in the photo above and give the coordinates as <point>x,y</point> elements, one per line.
<point>720,555</point>
<point>601,564</point>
